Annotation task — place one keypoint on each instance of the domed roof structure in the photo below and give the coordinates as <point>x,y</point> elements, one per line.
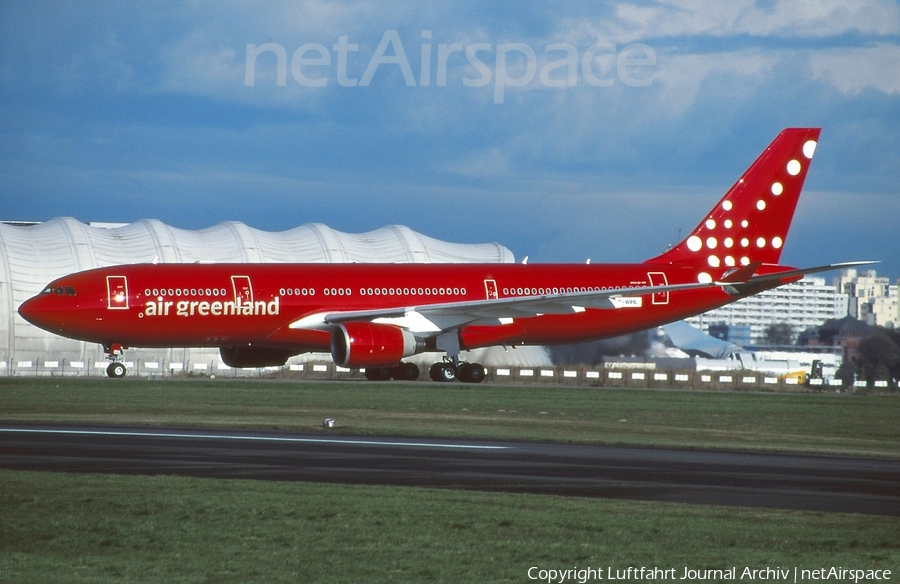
<point>31,255</point>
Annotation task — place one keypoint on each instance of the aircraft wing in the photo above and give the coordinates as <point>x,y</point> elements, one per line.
<point>436,318</point>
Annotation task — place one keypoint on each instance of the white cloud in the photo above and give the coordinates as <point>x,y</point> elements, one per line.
<point>851,70</point>
<point>210,58</point>
<point>822,18</point>
<point>804,18</point>
<point>679,18</point>
<point>699,42</point>
<point>195,64</point>
<point>682,76</point>
<point>283,21</point>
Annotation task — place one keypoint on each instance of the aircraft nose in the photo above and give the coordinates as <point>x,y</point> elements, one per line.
<point>30,311</point>
<point>35,311</point>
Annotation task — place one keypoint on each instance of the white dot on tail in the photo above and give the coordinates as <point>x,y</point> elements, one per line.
<point>793,167</point>
<point>809,148</point>
<point>729,243</point>
<point>704,278</point>
<point>729,260</point>
<point>760,204</point>
<point>745,261</point>
<point>728,224</point>
<point>727,205</point>
<point>760,242</point>
<point>745,242</point>
<point>710,223</point>
<point>777,188</point>
<point>713,261</point>
<point>777,242</point>
<point>745,224</point>
<point>712,242</point>
<point>694,243</point>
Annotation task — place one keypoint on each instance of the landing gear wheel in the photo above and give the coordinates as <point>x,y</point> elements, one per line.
<point>442,372</point>
<point>116,370</point>
<point>405,372</point>
<point>471,373</point>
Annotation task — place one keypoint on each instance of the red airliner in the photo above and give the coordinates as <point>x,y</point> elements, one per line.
<point>373,316</point>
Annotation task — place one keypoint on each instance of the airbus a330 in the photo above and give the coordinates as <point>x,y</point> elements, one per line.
<point>373,316</point>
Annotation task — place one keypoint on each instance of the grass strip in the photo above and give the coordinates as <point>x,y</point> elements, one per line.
<point>104,528</point>
<point>803,422</point>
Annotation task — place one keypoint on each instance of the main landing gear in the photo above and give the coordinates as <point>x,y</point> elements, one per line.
<point>452,369</point>
<point>116,368</point>
<point>445,371</point>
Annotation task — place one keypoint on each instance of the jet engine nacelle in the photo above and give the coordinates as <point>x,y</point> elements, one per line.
<point>367,344</point>
<point>250,356</point>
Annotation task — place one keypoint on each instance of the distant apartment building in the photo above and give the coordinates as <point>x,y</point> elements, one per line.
<point>803,304</point>
<point>872,298</point>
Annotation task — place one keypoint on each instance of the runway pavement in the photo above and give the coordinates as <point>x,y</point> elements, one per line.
<point>823,483</point>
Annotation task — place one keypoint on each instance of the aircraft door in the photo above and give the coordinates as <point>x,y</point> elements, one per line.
<point>490,290</point>
<point>659,279</point>
<point>243,291</point>
<point>116,293</point>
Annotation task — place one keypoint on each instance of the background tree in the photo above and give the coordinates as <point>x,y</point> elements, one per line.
<point>591,353</point>
<point>879,358</point>
<point>847,372</point>
<point>779,333</point>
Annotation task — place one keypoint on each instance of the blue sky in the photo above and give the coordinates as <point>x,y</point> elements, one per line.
<point>118,111</point>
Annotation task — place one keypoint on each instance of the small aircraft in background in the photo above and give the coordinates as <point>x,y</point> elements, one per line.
<point>373,316</point>
<point>713,354</point>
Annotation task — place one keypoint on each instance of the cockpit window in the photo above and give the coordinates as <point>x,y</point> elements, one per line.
<point>60,290</point>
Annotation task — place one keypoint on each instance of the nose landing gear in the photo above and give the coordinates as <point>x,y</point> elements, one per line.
<point>116,368</point>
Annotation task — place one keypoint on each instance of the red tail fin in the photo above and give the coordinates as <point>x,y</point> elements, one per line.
<point>750,223</point>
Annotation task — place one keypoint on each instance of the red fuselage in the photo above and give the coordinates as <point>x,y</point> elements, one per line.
<point>215,305</point>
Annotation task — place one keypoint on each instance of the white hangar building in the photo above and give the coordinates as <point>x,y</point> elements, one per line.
<point>31,255</point>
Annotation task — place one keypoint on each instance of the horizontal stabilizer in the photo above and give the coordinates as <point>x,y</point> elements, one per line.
<point>741,275</point>
<point>790,274</point>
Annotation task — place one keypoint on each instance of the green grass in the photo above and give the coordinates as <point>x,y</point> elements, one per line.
<point>96,528</point>
<point>804,422</point>
<point>57,527</point>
